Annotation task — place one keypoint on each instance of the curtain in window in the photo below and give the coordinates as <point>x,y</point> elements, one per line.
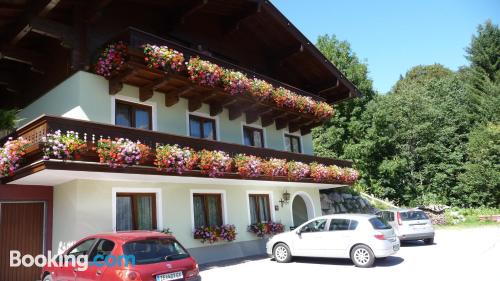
<point>257,139</point>
<point>247,137</point>
<point>199,211</point>
<point>253,210</point>
<point>264,208</point>
<point>144,212</point>
<point>295,145</point>
<point>213,210</point>
<point>123,213</point>
<point>208,130</point>
<point>123,115</point>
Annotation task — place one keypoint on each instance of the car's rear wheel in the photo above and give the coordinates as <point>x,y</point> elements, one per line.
<point>429,241</point>
<point>282,253</point>
<point>362,256</point>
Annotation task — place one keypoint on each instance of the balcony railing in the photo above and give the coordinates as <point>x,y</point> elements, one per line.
<point>92,132</point>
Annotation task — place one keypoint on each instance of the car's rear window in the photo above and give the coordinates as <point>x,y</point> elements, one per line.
<point>379,223</point>
<point>413,215</point>
<point>155,250</point>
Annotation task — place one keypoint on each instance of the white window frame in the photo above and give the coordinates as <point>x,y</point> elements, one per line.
<point>204,115</point>
<point>256,126</point>
<point>151,104</point>
<point>286,132</point>
<point>271,203</point>
<point>209,191</point>
<point>159,205</point>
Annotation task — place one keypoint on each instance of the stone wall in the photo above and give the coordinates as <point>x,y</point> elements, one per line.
<point>338,202</point>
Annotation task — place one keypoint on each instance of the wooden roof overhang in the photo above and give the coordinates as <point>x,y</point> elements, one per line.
<point>93,131</point>
<point>42,42</point>
<point>175,85</point>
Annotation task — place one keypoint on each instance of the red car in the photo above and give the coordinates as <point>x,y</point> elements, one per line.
<point>124,256</point>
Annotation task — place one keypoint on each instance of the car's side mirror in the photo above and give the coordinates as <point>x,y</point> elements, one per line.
<point>299,232</point>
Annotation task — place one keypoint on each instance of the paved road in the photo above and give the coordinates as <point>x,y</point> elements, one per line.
<point>458,254</point>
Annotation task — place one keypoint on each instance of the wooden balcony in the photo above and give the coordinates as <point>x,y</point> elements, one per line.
<point>177,85</point>
<point>92,132</point>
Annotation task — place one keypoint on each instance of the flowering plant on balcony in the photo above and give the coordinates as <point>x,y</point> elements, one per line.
<point>206,234</point>
<point>274,167</point>
<point>262,229</point>
<point>10,154</point>
<point>334,173</point>
<point>248,166</point>
<point>162,57</point>
<point>305,104</point>
<point>235,82</point>
<point>297,170</point>
<point>173,158</point>
<point>350,175</point>
<point>319,172</point>
<point>111,59</point>
<point>228,232</point>
<point>63,146</point>
<point>260,89</point>
<point>204,72</point>
<point>121,152</point>
<point>215,163</point>
<point>323,111</point>
<point>284,98</point>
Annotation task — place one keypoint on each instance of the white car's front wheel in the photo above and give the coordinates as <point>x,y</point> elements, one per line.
<point>362,256</point>
<point>282,253</point>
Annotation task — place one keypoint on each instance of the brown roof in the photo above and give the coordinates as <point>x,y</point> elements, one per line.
<point>39,38</point>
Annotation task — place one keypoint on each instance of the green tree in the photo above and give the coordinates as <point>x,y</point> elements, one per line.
<point>332,137</point>
<point>414,142</point>
<point>480,182</point>
<point>483,75</point>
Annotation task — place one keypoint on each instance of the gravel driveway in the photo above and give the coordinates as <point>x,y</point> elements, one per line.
<point>458,254</point>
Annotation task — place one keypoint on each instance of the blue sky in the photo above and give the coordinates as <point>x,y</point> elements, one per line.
<point>394,35</point>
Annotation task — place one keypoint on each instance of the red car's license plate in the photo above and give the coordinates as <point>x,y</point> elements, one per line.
<point>170,276</point>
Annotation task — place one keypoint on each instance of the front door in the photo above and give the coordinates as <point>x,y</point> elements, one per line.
<point>309,241</point>
<point>21,229</point>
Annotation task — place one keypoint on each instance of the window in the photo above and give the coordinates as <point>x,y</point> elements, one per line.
<point>342,224</point>
<point>155,250</point>
<point>201,127</point>
<point>413,216</point>
<point>379,223</point>
<point>207,209</point>
<point>102,250</point>
<point>253,136</point>
<point>82,249</point>
<point>388,216</point>
<point>292,143</point>
<point>135,211</point>
<point>260,210</point>
<point>314,226</point>
<point>133,115</point>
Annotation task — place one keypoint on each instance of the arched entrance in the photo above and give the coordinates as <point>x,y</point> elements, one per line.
<point>302,208</point>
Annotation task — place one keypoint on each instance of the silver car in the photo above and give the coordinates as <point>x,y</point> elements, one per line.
<point>410,224</point>
<point>362,238</point>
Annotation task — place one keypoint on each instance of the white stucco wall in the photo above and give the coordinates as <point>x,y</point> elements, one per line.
<point>84,207</point>
<point>85,96</point>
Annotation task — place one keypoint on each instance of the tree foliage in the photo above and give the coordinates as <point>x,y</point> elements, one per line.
<point>332,138</point>
<point>433,138</point>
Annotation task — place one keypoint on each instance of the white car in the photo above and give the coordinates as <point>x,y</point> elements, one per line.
<point>362,238</point>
